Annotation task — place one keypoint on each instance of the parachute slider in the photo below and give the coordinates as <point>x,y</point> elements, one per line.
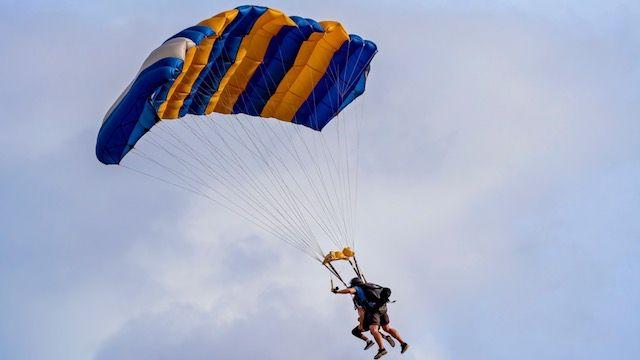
<point>346,254</point>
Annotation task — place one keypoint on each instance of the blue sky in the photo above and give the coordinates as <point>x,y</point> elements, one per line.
<point>500,192</point>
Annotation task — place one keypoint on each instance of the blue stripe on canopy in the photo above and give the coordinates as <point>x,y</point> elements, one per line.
<point>223,55</point>
<point>134,115</point>
<point>279,58</point>
<point>196,34</point>
<point>338,86</point>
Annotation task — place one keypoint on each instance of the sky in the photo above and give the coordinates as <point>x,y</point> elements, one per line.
<point>499,192</point>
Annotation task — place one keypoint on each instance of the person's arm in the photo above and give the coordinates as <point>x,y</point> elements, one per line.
<point>344,291</point>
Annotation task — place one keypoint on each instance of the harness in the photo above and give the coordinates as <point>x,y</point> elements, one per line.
<point>361,299</point>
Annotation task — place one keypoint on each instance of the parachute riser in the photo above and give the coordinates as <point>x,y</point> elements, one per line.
<point>335,273</point>
<point>359,271</point>
<point>356,269</point>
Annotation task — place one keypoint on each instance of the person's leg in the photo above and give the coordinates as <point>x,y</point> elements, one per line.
<point>393,332</point>
<point>381,332</point>
<point>373,329</point>
<point>387,337</point>
<point>357,332</point>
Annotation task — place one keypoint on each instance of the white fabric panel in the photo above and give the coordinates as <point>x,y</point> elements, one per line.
<point>175,48</point>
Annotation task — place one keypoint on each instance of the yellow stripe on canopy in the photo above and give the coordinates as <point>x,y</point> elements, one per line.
<point>191,70</point>
<point>219,22</point>
<point>310,65</point>
<point>249,56</point>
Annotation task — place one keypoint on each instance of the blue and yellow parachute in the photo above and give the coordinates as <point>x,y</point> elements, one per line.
<point>260,62</point>
<point>252,60</point>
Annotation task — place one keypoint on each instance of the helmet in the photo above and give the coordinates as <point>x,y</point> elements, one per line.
<point>356,281</point>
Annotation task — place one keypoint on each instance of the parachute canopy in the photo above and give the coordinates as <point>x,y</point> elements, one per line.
<point>251,60</point>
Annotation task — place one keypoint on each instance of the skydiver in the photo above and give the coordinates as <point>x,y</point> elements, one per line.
<point>375,315</point>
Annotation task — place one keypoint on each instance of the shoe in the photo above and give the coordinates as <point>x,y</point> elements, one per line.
<point>369,344</point>
<point>403,347</point>
<point>390,340</point>
<point>381,353</point>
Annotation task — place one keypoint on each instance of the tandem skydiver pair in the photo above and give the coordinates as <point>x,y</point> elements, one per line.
<point>371,301</point>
